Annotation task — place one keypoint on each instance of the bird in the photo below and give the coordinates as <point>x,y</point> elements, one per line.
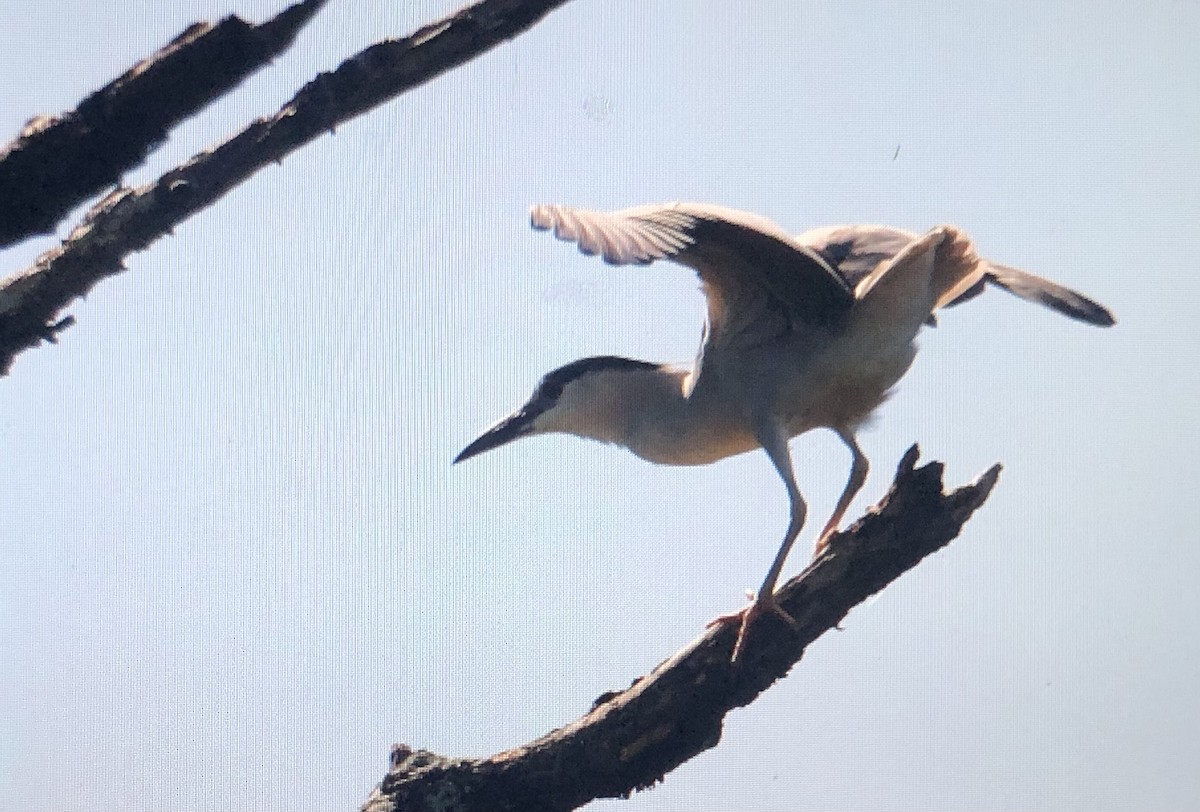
<point>801,333</point>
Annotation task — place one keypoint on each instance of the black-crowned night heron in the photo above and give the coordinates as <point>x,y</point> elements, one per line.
<point>802,333</point>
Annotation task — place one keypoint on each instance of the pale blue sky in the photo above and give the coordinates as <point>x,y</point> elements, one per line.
<point>237,565</point>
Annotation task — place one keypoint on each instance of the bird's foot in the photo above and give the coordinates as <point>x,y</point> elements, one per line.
<point>745,617</point>
<point>823,541</point>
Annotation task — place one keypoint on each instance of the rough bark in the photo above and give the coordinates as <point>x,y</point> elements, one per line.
<point>129,220</point>
<point>58,162</point>
<point>632,738</point>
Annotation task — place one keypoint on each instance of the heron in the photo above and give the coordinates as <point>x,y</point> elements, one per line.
<point>801,333</point>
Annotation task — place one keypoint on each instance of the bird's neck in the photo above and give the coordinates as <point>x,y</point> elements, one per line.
<point>649,411</point>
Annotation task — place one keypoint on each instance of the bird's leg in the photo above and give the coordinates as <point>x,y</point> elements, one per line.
<point>775,444</point>
<point>858,475</point>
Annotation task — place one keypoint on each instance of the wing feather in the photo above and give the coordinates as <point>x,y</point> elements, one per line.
<point>745,262</point>
<point>1049,294</point>
<point>857,250</point>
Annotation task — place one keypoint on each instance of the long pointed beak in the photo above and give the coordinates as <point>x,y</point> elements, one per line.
<point>517,425</point>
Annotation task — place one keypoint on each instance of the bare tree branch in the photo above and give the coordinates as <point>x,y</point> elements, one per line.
<point>632,738</point>
<point>57,163</point>
<point>129,220</point>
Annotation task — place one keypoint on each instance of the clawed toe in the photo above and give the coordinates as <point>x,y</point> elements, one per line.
<point>823,543</point>
<point>746,616</point>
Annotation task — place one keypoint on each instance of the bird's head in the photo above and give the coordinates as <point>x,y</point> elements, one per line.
<point>581,398</point>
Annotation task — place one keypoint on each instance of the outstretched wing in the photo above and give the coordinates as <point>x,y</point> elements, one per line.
<point>856,250</point>
<point>757,279</point>
<point>1044,292</point>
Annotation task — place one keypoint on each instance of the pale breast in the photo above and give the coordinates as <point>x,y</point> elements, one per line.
<point>843,387</point>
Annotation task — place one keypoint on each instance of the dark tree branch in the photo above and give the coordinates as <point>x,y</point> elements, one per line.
<point>57,163</point>
<point>128,220</point>
<point>632,738</point>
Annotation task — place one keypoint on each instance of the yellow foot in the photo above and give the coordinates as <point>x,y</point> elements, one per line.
<point>823,542</point>
<point>745,617</point>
